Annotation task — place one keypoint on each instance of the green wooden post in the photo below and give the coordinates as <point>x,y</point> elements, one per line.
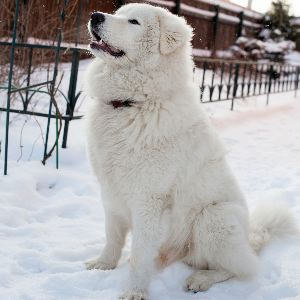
<point>54,78</point>
<point>215,30</point>
<point>9,84</point>
<point>71,95</point>
<point>216,22</point>
<point>28,78</point>
<point>78,23</point>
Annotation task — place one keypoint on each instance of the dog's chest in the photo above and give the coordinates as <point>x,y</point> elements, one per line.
<point>128,155</point>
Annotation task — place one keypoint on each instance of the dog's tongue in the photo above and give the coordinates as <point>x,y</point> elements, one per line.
<point>106,47</point>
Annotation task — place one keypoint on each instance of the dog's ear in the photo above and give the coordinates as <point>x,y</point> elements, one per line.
<point>174,31</point>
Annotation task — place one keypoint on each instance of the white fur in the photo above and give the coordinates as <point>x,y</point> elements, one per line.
<point>162,157</point>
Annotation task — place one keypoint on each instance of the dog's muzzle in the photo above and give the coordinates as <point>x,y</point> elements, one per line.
<point>97,43</point>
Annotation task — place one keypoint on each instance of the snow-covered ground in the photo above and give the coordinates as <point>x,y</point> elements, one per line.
<point>52,220</point>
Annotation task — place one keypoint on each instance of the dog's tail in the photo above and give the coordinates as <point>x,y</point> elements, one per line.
<point>271,221</point>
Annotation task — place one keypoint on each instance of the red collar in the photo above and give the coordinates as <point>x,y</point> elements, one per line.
<point>121,103</point>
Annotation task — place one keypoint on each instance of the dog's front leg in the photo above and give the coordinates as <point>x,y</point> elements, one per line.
<point>146,229</point>
<point>116,229</point>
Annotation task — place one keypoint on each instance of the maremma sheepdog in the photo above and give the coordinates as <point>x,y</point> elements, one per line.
<point>161,165</point>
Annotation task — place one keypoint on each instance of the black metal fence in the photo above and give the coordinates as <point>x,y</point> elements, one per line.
<point>229,80</point>
<point>32,90</point>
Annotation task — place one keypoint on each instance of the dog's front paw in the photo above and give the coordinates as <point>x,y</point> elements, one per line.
<point>198,282</point>
<point>130,295</point>
<point>95,263</point>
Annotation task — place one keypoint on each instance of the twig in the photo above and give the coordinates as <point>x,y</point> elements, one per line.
<point>60,126</point>
<point>21,146</point>
<point>41,134</point>
<point>32,109</point>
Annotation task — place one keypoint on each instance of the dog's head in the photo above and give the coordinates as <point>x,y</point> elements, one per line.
<point>137,33</point>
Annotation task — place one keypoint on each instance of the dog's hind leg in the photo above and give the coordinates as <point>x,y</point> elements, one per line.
<point>221,246</point>
<point>116,229</point>
<point>177,244</point>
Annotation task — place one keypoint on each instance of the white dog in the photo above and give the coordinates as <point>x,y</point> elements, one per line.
<point>160,161</point>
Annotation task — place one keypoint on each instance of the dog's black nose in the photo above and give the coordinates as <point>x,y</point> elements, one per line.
<point>97,18</point>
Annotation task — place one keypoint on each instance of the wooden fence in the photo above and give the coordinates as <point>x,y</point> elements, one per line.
<point>216,26</point>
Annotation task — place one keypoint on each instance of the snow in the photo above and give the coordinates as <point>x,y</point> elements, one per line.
<point>241,40</point>
<point>265,33</point>
<point>295,21</point>
<point>210,14</point>
<point>52,220</point>
<point>231,19</point>
<point>207,53</point>
<point>224,54</point>
<point>236,20</point>
<point>250,24</point>
<point>197,11</point>
<point>293,58</point>
<point>277,31</point>
<point>201,52</point>
<point>235,8</point>
<point>229,6</point>
<point>258,47</point>
<point>281,47</point>
<point>162,2</point>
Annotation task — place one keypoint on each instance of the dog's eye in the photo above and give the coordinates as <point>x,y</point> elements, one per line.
<point>135,22</point>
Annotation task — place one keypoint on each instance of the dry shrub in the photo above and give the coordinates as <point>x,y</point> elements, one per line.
<point>38,23</point>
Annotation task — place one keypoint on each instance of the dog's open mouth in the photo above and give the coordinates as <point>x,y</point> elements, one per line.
<point>98,44</point>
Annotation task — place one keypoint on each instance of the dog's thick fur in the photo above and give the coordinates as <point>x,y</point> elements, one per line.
<point>160,161</point>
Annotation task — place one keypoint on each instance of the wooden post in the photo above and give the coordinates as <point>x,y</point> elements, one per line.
<point>215,31</point>
<point>121,3</point>
<point>177,8</point>
<point>240,30</point>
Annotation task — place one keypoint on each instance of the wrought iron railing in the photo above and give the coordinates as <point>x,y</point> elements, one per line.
<point>228,80</point>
